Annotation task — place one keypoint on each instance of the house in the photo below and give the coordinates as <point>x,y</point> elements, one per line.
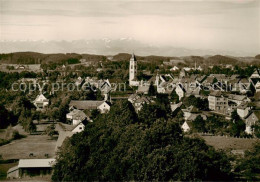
<point>66,131</point>
<point>182,73</point>
<point>175,68</point>
<point>256,74</point>
<point>180,91</point>
<point>231,107</point>
<point>164,83</point>
<point>186,126</point>
<point>138,101</point>
<point>31,167</point>
<point>251,120</point>
<point>218,102</point>
<point>175,106</point>
<point>189,111</point>
<point>41,102</point>
<point>238,99</point>
<point>102,106</point>
<point>20,67</point>
<point>79,128</point>
<point>76,116</point>
<point>187,69</point>
<point>243,110</point>
<point>132,98</point>
<point>243,85</point>
<point>105,88</point>
<point>199,68</point>
<point>78,81</point>
<point>143,89</point>
<point>256,83</point>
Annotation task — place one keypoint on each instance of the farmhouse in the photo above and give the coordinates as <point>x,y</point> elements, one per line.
<point>186,126</point>
<point>102,106</point>
<point>41,102</point>
<point>251,120</point>
<point>76,116</point>
<point>30,168</point>
<point>238,99</point>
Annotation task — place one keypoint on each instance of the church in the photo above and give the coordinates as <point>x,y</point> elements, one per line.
<point>133,71</point>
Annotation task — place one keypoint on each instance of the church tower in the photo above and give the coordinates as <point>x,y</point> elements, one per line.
<point>133,71</point>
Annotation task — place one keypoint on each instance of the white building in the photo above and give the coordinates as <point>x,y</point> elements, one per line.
<point>102,106</point>
<point>186,126</point>
<point>243,110</point>
<point>133,71</point>
<point>76,116</point>
<point>217,102</point>
<point>79,128</point>
<point>175,68</point>
<point>251,120</point>
<point>41,102</point>
<point>256,74</point>
<point>180,91</point>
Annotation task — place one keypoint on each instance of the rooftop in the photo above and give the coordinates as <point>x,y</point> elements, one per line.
<point>34,163</point>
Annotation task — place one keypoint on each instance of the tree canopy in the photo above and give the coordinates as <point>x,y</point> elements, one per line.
<point>121,146</point>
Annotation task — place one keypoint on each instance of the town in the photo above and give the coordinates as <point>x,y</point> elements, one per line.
<point>53,104</point>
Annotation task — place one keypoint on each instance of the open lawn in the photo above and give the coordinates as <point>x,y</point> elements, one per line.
<point>39,145</point>
<point>226,143</point>
<point>2,133</point>
<point>4,168</point>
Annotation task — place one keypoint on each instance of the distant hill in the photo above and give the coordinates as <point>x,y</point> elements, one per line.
<point>219,59</point>
<point>39,58</point>
<point>60,58</point>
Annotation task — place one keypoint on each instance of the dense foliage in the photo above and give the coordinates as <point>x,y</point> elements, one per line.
<point>247,168</point>
<point>120,146</point>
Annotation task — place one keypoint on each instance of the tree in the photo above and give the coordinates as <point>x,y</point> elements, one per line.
<point>94,113</point>
<point>31,127</point>
<point>198,125</point>
<point>237,126</point>
<point>256,129</point>
<point>174,97</point>
<point>16,135</point>
<point>50,130</point>
<point>235,116</point>
<point>248,168</point>
<point>152,90</point>
<point>6,117</point>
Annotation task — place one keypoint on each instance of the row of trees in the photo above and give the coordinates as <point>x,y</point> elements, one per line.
<point>218,125</point>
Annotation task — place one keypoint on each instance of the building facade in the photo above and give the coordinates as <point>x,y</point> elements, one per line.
<point>217,102</point>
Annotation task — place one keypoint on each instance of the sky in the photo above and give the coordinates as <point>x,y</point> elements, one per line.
<point>232,25</point>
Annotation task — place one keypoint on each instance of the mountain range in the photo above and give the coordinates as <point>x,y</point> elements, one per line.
<point>106,46</point>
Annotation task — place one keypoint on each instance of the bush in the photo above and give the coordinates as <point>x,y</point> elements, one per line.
<point>16,135</point>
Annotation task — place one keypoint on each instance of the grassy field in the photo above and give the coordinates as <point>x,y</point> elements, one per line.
<point>4,168</point>
<point>229,143</point>
<point>39,145</point>
<point>2,133</point>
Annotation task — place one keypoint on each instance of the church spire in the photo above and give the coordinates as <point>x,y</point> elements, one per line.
<point>133,58</point>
